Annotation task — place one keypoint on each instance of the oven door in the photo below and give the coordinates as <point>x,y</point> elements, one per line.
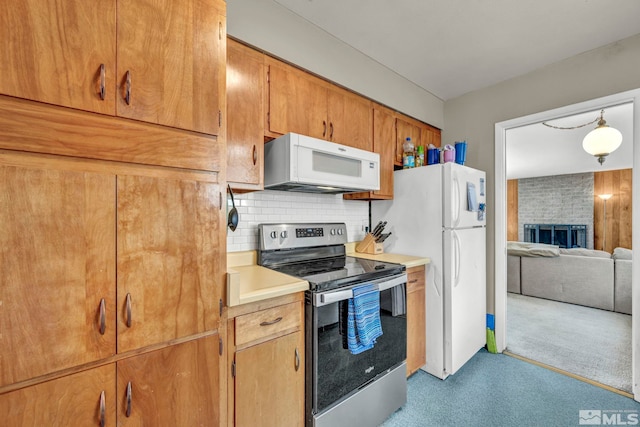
<point>336,373</point>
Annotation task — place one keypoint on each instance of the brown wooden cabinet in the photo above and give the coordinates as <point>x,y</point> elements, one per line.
<point>173,386</point>
<point>384,143</point>
<point>416,319</point>
<point>169,259</point>
<point>266,362</point>
<point>420,134</point>
<point>57,280</point>
<point>245,120</point>
<point>83,399</point>
<point>301,103</point>
<point>162,63</point>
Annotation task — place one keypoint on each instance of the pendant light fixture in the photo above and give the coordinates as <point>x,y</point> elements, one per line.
<point>601,141</point>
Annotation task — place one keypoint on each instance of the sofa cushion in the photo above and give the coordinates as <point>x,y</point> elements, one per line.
<point>575,279</point>
<point>513,274</point>
<point>585,252</point>
<point>622,253</point>
<point>532,249</point>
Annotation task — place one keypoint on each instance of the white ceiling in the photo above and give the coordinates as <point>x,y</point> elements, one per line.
<point>451,47</point>
<point>538,150</point>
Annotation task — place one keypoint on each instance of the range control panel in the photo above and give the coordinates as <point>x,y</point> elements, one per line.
<point>289,236</point>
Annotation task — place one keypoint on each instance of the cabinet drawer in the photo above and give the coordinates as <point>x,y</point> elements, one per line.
<point>415,279</point>
<point>268,323</point>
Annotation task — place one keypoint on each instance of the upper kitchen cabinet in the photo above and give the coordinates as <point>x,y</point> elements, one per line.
<point>171,63</point>
<point>384,143</point>
<point>301,103</point>
<point>245,118</point>
<point>420,133</point>
<point>60,52</point>
<point>170,58</point>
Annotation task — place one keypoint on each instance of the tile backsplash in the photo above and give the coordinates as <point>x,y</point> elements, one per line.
<point>280,206</point>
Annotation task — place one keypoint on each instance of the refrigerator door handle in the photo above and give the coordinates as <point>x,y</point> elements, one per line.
<point>456,259</point>
<point>456,200</point>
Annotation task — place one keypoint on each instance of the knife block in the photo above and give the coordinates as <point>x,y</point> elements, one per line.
<point>369,246</point>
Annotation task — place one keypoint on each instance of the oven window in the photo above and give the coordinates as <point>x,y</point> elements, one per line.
<point>336,165</point>
<point>338,371</point>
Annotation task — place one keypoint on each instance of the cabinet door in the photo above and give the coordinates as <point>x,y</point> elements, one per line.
<point>82,399</point>
<point>245,124</point>
<point>405,129</point>
<point>270,383</point>
<point>384,143</point>
<point>297,102</point>
<point>416,320</point>
<point>171,54</point>
<point>169,260</point>
<point>350,119</point>
<point>57,263</point>
<point>174,386</point>
<point>52,51</point>
<point>429,135</point>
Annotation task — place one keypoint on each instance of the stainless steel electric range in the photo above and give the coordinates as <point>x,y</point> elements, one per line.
<point>342,389</point>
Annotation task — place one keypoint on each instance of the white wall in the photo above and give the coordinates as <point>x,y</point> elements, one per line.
<point>280,206</point>
<point>281,33</point>
<point>604,71</point>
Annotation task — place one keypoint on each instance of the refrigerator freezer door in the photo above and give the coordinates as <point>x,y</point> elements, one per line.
<point>458,181</point>
<point>464,295</point>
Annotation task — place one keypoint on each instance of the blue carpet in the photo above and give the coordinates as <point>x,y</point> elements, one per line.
<point>499,390</point>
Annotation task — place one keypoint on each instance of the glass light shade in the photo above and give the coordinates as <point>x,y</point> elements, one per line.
<point>602,140</point>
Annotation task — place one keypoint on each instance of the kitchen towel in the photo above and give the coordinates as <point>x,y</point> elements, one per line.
<point>363,320</point>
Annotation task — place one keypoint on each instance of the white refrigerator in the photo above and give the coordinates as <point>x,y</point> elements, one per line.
<point>438,211</point>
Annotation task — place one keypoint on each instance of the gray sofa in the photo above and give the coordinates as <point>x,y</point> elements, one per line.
<point>578,276</point>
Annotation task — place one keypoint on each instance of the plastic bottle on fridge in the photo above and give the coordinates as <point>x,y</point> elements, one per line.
<point>408,155</point>
<point>419,156</point>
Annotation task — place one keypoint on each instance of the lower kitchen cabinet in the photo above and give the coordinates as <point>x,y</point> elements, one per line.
<point>416,319</point>
<point>82,399</point>
<point>174,386</point>
<point>266,359</point>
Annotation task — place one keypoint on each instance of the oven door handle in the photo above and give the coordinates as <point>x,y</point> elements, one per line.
<point>326,298</point>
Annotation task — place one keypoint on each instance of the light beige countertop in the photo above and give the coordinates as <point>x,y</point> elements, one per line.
<point>408,260</point>
<point>248,282</point>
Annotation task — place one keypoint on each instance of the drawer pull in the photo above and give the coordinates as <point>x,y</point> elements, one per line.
<point>103,405</point>
<point>103,317</point>
<point>127,91</point>
<point>128,411</point>
<point>413,281</point>
<point>273,322</point>
<point>102,82</point>
<point>128,308</point>
<point>297,359</point>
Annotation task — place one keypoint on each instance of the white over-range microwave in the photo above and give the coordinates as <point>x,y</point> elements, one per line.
<point>301,163</point>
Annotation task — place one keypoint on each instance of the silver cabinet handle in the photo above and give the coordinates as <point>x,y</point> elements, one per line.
<point>103,405</point>
<point>127,91</point>
<point>272,322</point>
<point>128,309</point>
<point>103,317</point>
<point>129,398</point>
<point>297,354</point>
<point>103,90</point>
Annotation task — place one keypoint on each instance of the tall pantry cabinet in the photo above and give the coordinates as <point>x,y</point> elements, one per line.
<point>112,254</point>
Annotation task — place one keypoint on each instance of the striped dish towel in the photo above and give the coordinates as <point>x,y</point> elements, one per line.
<point>363,319</point>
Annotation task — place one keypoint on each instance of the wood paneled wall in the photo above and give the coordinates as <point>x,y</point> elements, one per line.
<point>512,209</point>
<point>619,210</point>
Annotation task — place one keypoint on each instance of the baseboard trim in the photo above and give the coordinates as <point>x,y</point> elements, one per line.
<point>569,374</point>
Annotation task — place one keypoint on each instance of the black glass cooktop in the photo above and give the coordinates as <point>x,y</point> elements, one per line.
<point>330,273</point>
